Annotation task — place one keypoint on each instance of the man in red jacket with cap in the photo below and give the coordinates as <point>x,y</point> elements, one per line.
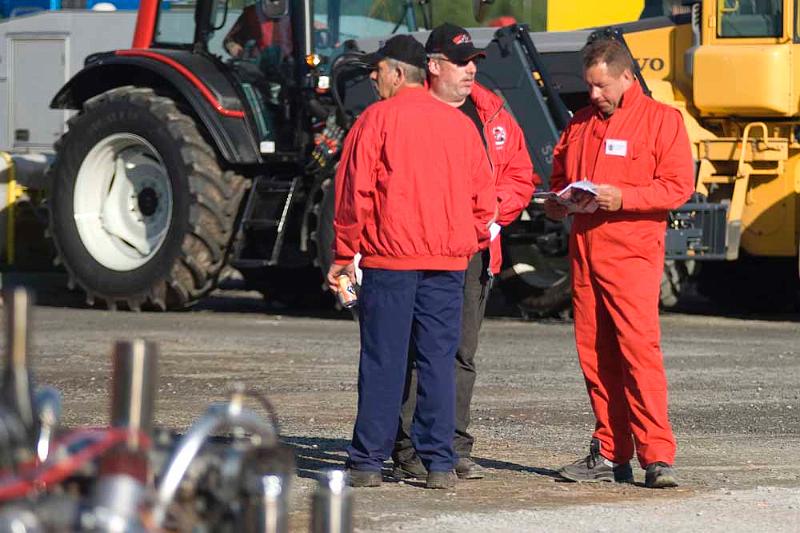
<point>451,74</point>
<point>637,152</point>
<point>414,196</point>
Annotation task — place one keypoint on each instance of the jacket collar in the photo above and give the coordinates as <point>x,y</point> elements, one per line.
<point>632,95</point>
<point>410,91</point>
<point>629,99</point>
<point>487,103</point>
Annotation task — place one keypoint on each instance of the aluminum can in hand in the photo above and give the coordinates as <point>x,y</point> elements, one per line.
<point>347,292</point>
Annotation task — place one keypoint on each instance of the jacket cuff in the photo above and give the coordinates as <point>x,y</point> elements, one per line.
<point>342,260</point>
<point>630,198</point>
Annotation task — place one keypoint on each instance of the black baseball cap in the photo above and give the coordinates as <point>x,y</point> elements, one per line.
<point>401,48</point>
<point>454,42</point>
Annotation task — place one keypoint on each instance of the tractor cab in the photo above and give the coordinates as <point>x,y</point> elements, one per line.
<point>279,53</point>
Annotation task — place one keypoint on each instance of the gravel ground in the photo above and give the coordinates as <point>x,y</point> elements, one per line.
<point>761,509</point>
<point>735,407</point>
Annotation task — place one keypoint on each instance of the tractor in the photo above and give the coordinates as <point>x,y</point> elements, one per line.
<point>213,141</point>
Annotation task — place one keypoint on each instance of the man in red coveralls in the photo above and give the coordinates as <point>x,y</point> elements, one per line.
<point>637,152</point>
<point>451,73</point>
<point>414,195</point>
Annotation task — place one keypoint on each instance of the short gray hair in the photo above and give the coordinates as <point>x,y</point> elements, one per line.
<point>412,73</point>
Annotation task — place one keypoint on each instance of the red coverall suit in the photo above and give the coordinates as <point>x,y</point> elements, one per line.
<point>617,261</point>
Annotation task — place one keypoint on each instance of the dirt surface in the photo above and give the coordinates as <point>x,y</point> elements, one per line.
<point>735,407</point>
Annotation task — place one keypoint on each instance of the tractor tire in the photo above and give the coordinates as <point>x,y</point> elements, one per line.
<point>539,286</point>
<point>141,214</point>
<point>674,282</point>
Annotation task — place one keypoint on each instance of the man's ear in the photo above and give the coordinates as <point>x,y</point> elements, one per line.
<point>627,74</point>
<point>434,67</point>
<point>400,75</point>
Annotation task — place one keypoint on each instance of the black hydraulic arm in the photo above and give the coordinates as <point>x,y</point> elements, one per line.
<point>514,69</point>
<point>556,105</point>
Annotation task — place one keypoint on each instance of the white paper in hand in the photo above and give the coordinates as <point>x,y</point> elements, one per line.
<point>569,196</point>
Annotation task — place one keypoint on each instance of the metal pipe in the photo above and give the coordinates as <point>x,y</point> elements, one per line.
<point>17,382</point>
<point>332,504</point>
<point>274,518</point>
<point>133,389</point>
<point>218,417</point>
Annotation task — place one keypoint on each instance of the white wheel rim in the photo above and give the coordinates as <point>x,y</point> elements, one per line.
<point>122,202</point>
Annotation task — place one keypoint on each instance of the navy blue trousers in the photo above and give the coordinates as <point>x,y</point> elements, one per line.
<point>397,307</point>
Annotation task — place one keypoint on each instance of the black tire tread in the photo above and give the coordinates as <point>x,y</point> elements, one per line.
<point>216,197</point>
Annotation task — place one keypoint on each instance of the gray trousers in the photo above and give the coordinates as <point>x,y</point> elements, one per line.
<point>477,284</point>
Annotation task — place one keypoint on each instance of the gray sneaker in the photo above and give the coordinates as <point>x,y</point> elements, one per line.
<point>660,475</point>
<point>409,468</point>
<point>441,480</point>
<point>466,468</point>
<point>593,469</point>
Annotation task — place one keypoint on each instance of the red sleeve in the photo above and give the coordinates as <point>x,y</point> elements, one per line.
<point>354,186</point>
<point>673,181</point>
<point>483,191</point>
<point>515,180</point>
<point>558,176</point>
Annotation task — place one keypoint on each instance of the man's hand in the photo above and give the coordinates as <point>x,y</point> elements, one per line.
<point>609,198</point>
<point>234,49</point>
<point>337,270</point>
<point>553,210</point>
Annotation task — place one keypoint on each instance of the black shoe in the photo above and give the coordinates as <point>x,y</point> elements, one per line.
<point>365,478</point>
<point>660,475</point>
<point>409,468</point>
<point>593,468</point>
<point>466,468</point>
<point>441,480</point>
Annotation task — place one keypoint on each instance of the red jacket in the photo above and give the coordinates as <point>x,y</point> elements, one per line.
<point>512,170</point>
<point>413,189</point>
<point>655,172</point>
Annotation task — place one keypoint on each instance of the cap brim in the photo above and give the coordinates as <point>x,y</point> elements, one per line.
<point>465,53</point>
<point>372,60</point>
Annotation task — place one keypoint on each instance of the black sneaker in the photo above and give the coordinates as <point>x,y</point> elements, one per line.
<point>593,468</point>
<point>409,468</point>
<point>441,480</point>
<point>364,478</point>
<point>466,468</point>
<point>660,475</point>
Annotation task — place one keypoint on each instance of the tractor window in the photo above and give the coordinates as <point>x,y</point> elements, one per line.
<point>175,23</point>
<point>336,21</point>
<point>242,32</point>
<point>750,18</point>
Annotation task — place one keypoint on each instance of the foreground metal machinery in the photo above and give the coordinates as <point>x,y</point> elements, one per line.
<point>229,472</point>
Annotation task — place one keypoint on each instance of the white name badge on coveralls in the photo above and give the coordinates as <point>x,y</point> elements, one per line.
<point>616,147</point>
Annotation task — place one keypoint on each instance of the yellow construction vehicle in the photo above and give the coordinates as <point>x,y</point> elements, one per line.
<point>731,67</point>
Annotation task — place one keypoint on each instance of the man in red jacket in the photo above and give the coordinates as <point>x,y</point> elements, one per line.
<point>451,74</point>
<point>637,152</point>
<point>414,196</point>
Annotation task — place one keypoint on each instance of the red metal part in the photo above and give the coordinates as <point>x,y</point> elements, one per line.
<point>207,94</point>
<point>145,23</point>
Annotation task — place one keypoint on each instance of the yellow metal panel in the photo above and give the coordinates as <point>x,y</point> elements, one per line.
<point>769,217</point>
<point>744,80</point>
<point>563,15</point>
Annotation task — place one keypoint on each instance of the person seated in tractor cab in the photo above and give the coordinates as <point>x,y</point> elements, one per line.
<point>262,48</point>
<point>255,36</point>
